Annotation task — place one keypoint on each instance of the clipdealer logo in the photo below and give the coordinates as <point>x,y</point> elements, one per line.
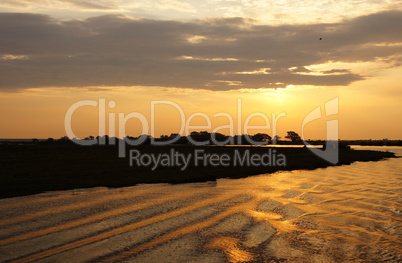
<point>329,153</point>
<point>148,127</point>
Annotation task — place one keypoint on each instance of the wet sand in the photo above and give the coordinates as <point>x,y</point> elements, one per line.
<point>344,213</point>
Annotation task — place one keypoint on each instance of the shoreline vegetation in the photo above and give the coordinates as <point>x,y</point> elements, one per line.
<point>31,168</point>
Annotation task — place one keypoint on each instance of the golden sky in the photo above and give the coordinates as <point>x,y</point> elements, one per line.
<point>203,56</point>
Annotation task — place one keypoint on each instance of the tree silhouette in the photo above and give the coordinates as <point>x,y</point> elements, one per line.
<point>293,136</point>
<point>261,137</point>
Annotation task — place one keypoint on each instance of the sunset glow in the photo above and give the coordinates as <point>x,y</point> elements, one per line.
<point>275,56</point>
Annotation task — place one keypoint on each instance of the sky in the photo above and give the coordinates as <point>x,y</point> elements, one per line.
<point>274,57</point>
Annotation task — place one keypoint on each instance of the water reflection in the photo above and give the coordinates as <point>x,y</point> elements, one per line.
<point>345,213</point>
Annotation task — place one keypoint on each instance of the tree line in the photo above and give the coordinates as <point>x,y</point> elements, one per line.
<point>195,137</point>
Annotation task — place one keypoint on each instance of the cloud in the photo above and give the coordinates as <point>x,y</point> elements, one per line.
<point>175,5</point>
<point>214,54</point>
<point>301,11</point>
<point>91,5</point>
<point>56,4</point>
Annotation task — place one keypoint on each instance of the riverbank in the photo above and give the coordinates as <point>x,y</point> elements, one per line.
<point>29,169</point>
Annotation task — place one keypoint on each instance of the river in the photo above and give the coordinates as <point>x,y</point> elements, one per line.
<point>342,213</point>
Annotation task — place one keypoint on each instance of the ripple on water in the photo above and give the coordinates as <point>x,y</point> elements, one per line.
<point>344,213</point>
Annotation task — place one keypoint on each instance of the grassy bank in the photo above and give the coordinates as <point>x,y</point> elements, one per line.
<point>28,169</point>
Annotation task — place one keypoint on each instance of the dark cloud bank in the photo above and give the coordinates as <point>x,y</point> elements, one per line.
<point>215,54</point>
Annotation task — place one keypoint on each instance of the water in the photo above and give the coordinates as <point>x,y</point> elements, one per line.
<point>345,213</point>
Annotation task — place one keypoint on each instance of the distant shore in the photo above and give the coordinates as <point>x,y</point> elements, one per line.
<point>29,169</point>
